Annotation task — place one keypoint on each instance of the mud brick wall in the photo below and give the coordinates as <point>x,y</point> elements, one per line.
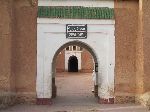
<point>143,54</point>
<point>7,79</point>
<point>24,49</point>
<point>87,64</point>
<point>126,18</point>
<point>60,62</point>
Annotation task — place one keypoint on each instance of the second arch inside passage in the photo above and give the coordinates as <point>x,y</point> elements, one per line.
<point>73,64</point>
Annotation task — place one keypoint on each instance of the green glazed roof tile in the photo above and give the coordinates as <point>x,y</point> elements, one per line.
<point>75,12</point>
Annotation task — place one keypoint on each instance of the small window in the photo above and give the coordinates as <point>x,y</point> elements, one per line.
<point>74,48</point>
<point>81,48</point>
<point>67,49</point>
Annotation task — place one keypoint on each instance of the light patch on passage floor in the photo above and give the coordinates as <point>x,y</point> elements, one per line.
<point>74,89</point>
<point>74,84</point>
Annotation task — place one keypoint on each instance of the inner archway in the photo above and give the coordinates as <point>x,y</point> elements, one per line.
<point>73,64</point>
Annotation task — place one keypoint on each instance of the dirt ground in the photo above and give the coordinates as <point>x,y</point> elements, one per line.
<point>74,94</point>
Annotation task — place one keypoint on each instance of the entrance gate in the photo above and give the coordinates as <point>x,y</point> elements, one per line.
<point>77,43</point>
<point>95,35</point>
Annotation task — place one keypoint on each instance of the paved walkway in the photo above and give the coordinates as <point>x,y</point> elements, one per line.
<point>74,95</point>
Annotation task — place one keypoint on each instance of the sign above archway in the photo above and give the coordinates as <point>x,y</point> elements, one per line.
<point>76,31</point>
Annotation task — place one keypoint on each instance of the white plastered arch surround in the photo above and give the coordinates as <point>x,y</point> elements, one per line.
<point>51,37</point>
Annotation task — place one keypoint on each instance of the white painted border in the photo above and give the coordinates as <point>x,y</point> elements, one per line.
<point>75,21</point>
<point>88,3</point>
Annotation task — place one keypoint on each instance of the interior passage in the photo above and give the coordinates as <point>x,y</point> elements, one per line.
<point>74,88</point>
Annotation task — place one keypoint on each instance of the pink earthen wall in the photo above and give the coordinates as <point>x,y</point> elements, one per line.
<point>126,24</point>
<point>87,64</point>
<point>7,79</point>
<point>60,62</point>
<point>24,49</point>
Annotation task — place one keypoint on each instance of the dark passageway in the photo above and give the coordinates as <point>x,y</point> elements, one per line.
<point>73,64</point>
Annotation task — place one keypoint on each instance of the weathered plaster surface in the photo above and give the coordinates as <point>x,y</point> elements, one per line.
<point>143,55</point>
<point>126,18</point>
<point>7,79</point>
<point>100,39</point>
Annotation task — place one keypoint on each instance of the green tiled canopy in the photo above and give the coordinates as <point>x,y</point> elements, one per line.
<point>75,12</point>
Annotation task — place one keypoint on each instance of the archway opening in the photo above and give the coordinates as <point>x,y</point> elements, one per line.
<point>81,63</point>
<point>73,64</point>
